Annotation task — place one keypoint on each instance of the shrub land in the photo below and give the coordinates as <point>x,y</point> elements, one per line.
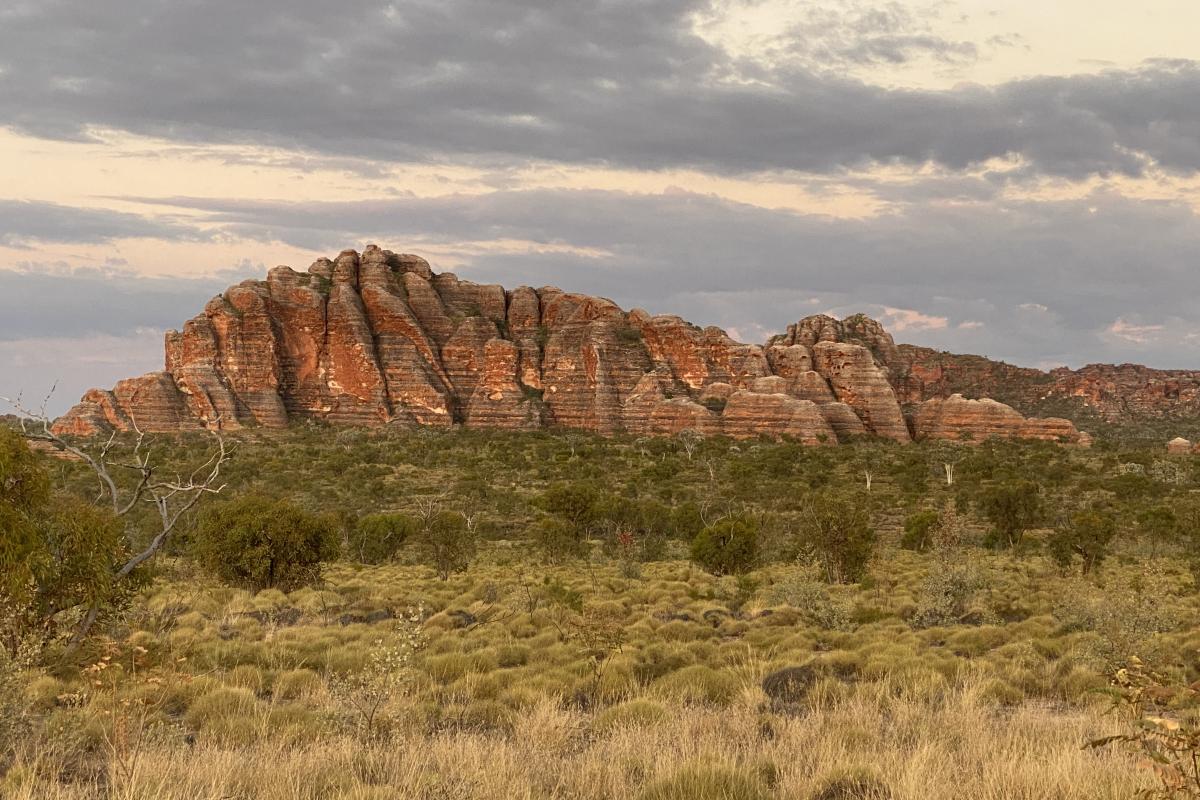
<point>421,614</point>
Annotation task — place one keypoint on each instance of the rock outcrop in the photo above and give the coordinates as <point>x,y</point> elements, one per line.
<point>958,419</point>
<point>380,338</point>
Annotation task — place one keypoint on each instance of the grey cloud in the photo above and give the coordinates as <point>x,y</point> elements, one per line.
<point>1090,261</point>
<point>25,222</point>
<point>624,83</point>
<point>42,301</point>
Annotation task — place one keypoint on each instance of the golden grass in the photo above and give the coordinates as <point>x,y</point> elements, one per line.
<point>961,746</point>
<point>222,699</point>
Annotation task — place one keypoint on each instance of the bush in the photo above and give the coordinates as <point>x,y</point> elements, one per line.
<point>946,595</point>
<point>918,530</point>
<point>839,535</point>
<point>448,543</point>
<point>556,539</point>
<point>57,553</point>
<point>802,590</point>
<point>261,543</point>
<point>378,537</point>
<point>727,548</point>
<point>1012,508</point>
<point>1087,536</point>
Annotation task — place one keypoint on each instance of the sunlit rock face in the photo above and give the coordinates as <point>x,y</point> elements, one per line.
<point>379,338</point>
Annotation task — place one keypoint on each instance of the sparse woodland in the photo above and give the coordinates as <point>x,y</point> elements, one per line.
<point>420,614</point>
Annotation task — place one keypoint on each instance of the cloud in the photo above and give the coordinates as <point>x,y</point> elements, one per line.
<point>1131,332</point>
<point>54,303</point>
<point>624,83</point>
<point>905,320</point>
<point>715,261</point>
<point>23,223</point>
<point>63,368</point>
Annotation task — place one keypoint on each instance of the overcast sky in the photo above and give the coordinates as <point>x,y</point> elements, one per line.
<point>1017,179</point>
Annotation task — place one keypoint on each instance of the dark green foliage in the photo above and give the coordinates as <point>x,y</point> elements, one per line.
<point>557,539</point>
<point>918,530</point>
<point>1013,508</point>
<point>378,537</point>
<point>1158,525</point>
<point>728,547</point>
<point>838,533</point>
<point>448,543</point>
<point>578,504</point>
<point>57,553</point>
<point>1087,535</point>
<point>629,334</point>
<point>263,543</point>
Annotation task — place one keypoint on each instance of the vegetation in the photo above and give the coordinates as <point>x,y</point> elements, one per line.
<point>426,614</point>
<point>260,543</point>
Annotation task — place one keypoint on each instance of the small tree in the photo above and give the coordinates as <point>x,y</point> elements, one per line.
<point>1087,535</point>
<point>557,539</point>
<point>728,547</point>
<point>1012,508</point>
<point>579,504</point>
<point>839,533</point>
<point>172,498</point>
<point>262,543</point>
<point>58,555</point>
<point>918,529</point>
<point>377,537</point>
<point>448,543</point>
<point>948,454</point>
<point>1159,526</point>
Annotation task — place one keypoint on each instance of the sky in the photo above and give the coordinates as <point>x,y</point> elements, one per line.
<point>1015,179</point>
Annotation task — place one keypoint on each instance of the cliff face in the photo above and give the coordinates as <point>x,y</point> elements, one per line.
<point>379,338</point>
<point>1116,393</point>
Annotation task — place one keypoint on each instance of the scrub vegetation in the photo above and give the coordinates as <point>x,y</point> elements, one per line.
<point>421,614</point>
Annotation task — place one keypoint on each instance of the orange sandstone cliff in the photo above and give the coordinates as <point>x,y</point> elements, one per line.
<point>379,339</point>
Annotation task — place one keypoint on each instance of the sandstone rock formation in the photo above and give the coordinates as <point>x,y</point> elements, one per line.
<point>1179,446</point>
<point>380,338</point>
<point>959,419</point>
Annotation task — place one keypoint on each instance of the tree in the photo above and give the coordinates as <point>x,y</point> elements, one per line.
<point>171,498</point>
<point>1087,535</point>
<point>577,503</point>
<point>1013,508</point>
<point>59,556</point>
<point>377,537</point>
<point>1158,525</point>
<point>263,543</point>
<point>918,530</point>
<point>448,543</point>
<point>948,454</point>
<point>728,547</point>
<point>838,532</point>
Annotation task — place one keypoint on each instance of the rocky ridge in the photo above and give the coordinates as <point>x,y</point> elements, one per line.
<point>380,338</point>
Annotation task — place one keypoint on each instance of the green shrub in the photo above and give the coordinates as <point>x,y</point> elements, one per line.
<point>728,547</point>
<point>378,537</point>
<point>1012,508</point>
<point>1086,536</point>
<point>262,543</point>
<point>918,529</point>
<point>838,534</point>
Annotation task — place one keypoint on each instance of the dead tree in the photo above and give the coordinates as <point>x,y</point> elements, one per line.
<point>171,496</point>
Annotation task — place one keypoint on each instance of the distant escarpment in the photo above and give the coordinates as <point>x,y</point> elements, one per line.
<point>380,339</point>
